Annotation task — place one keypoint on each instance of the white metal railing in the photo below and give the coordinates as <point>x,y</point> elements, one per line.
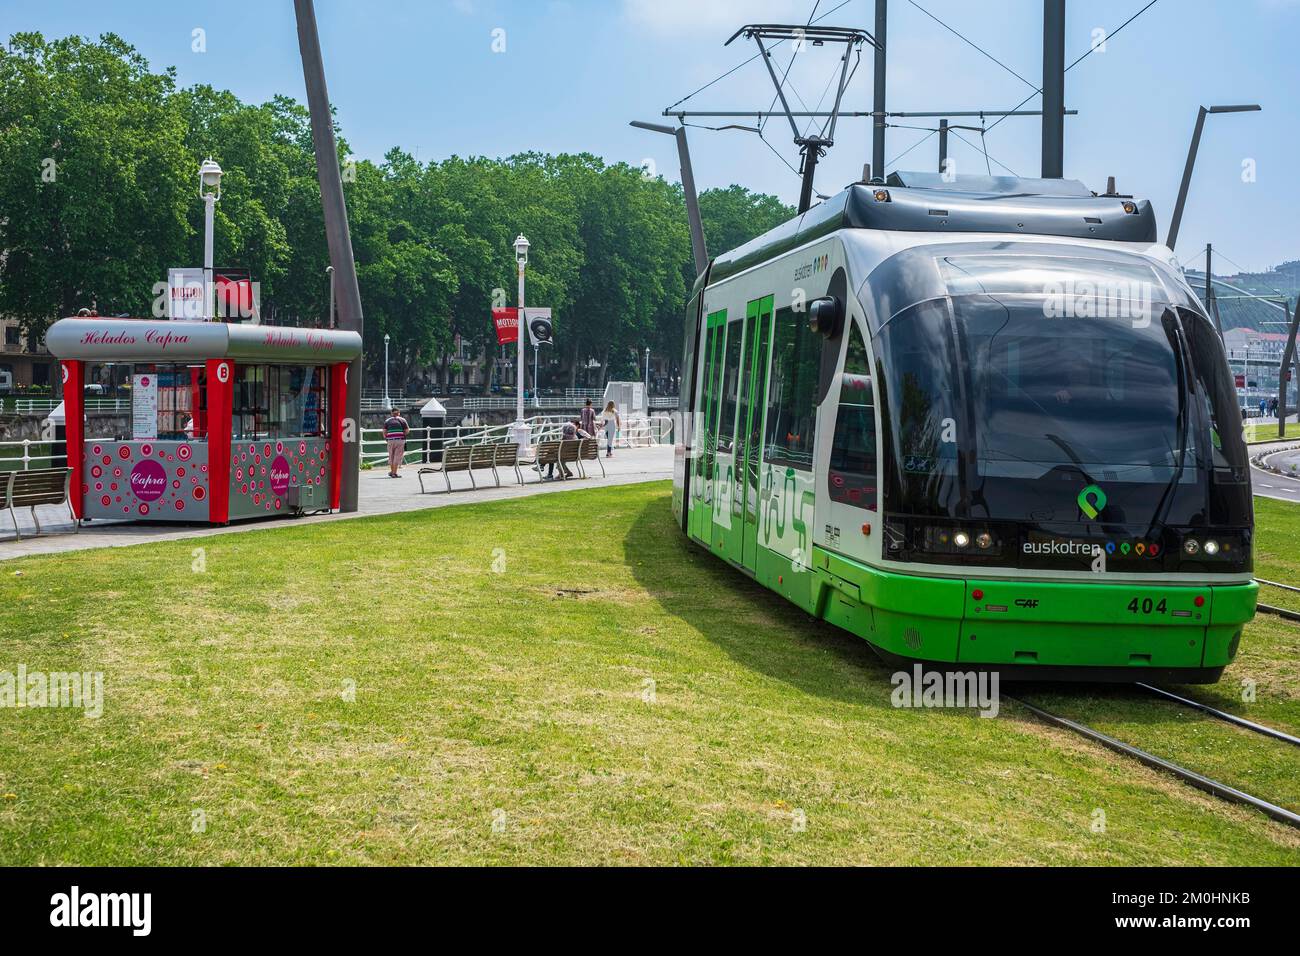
<point>550,401</point>
<point>43,406</point>
<point>506,402</point>
<point>376,403</point>
<point>19,455</point>
<point>638,432</point>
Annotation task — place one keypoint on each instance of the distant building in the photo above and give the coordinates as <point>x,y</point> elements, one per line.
<point>22,364</point>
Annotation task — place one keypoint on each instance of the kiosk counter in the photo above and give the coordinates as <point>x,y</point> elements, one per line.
<point>226,421</point>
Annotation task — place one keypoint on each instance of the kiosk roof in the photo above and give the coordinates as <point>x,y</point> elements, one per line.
<point>107,340</point>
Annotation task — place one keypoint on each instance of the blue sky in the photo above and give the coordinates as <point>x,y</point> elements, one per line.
<point>424,76</point>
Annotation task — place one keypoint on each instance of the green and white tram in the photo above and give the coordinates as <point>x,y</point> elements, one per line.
<point>982,424</point>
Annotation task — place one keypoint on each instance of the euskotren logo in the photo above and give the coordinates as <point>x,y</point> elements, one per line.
<point>1092,501</point>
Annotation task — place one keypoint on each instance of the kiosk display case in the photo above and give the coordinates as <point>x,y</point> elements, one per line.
<point>224,419</point>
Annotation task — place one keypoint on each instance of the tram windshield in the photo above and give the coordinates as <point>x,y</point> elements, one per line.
<point>1001,408</point>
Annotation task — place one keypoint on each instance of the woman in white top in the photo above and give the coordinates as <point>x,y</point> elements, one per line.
<point>612,425</point>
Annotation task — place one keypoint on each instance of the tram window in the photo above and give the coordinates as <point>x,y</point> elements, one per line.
<point>851,477</point>
<point>730,388</point>
<point>792,391</point>
<point>704,459</point>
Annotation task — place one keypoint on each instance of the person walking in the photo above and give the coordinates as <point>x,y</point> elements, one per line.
<point>588,421</point>
<point>395,431</point>
<point>612,424</point>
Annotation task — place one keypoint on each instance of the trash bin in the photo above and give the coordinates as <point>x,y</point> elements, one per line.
<point>433,416</point>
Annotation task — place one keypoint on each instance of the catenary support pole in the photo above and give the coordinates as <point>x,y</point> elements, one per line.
<point>337,236</point>
<point>879,120</point>
<point>1053,89</point>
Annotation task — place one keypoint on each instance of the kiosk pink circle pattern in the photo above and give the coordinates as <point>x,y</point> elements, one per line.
<point>153,482</point>
<point>261,474</point>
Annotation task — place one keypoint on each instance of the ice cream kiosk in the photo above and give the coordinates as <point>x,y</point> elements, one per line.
<point>224,421</point>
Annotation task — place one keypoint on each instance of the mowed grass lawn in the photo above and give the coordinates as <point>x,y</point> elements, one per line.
<point>557,679</point>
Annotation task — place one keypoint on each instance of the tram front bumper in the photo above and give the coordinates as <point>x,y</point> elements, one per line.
<point>1128,631</point>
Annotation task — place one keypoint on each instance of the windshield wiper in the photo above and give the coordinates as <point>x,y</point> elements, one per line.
<point>1175,332</point>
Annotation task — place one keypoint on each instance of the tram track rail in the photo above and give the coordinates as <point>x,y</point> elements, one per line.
<point>1222,715</point>
<point>1200,781</point>
<point>1285,613</point>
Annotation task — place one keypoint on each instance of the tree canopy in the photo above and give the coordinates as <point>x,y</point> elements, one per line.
<point>99,197</point>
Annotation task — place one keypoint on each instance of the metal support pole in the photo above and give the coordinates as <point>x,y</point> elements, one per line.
<point>1053,89</point>
<point>209,212</point>
<point>329,319</point>
<point>1176,220</point>
<point>943,146</point>
<point>337,235</point>
<point>699,249</point>
<point>878,103</point>
<point>519,354</point>
<point>1288,351</point>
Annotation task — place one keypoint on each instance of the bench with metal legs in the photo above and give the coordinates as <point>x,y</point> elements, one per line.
<point>455,458</point>
<point>589,450</point>
<point>37,486</point>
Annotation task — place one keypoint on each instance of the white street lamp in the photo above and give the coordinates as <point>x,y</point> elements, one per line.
<point>209,192</point>
<point>647,375</point>
<point>519,431</point>
<point>388,402</point>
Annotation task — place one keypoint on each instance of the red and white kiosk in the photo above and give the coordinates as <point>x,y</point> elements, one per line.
<point>227,421</point>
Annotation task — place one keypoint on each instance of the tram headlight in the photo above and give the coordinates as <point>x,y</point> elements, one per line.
<point>984,540</point>
<point>961,539</point>
<point>1192,546</point>
<point>1211,547</point>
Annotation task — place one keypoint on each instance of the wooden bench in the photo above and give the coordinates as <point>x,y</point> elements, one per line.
<point>506,455</point>
<point>37,486</point>
<point>471,458</point>
<point>455,458</point>
<point>589,450</point>
<point>562,452</point>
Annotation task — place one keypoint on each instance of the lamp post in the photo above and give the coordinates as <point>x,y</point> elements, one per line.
<point>387,401</point>
<point>519,432</point>
<point>647,373</point>
<point>209,192</point>
<point>1176,220</point>
<point>329,319</point>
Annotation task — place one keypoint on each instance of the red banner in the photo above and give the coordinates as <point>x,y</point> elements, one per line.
<point>507,323</point>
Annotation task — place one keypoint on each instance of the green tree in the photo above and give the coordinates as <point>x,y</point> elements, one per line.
<point>95,181</point>
<point>734,215</point>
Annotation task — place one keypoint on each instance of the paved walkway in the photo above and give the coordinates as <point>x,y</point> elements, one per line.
<point>379,495</point>
<point>1268,484</point>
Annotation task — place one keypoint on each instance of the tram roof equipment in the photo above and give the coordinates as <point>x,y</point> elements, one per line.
<point>926,202</point>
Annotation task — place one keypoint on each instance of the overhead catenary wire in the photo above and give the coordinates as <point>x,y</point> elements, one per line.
<point>1109,36</point>
<point>728,73</point>
<point>974,45</point>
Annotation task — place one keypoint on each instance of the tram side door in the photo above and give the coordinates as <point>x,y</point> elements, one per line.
<point>749,439</point>
<point>702,509</point>
<point>729,457</point>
